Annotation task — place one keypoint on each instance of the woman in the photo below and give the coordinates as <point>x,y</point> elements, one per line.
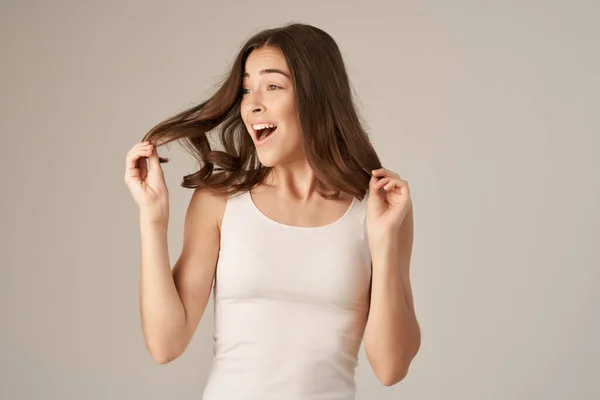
<point>306,238</point>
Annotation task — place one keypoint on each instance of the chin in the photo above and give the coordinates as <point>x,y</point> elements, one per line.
<point>268,161</point>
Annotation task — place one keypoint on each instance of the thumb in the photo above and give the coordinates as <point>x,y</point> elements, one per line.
<point>375,195</point>
<point>153,161</point>
<point>372,183</point>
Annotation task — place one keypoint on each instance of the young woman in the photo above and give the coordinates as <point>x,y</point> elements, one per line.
<point>305,236</point>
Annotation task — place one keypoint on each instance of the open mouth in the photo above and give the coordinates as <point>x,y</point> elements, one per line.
<point>264,133</point>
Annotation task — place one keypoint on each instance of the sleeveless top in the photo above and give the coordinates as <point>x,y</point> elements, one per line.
<point>290,305</point>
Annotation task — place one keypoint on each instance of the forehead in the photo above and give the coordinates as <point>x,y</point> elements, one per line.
<point>265,58</point>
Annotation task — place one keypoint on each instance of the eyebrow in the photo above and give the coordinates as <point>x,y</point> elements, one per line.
<point>269,71</point>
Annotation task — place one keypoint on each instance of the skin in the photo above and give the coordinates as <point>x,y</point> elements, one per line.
<point>173,302</point>
<point>288,194</point>
<point>392,334</point>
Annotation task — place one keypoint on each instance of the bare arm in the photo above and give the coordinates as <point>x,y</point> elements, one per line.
<point>393,335</point>
<point>172,302</point>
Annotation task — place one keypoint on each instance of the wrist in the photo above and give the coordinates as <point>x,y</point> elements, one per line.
<point>383,240</point>
<point>151,218</point>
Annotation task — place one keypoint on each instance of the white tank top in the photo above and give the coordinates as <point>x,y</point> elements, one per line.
<point>291,304</point>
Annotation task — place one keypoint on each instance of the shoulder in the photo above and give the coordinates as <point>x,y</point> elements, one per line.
<point>208,205</point>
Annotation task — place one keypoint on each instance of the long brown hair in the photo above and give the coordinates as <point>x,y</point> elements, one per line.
<point>337,146</point>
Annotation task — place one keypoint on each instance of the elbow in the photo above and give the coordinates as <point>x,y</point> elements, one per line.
<point>161,354</point>
<point>396,370</point>
<point>393,375</point>
<point>164,347</point>
<point>162,358</point>
<point>390,369</point>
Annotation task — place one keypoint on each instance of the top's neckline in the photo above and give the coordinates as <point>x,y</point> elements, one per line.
<point>281,224</point>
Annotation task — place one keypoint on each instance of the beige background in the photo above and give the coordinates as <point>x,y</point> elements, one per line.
<point>486,108</point>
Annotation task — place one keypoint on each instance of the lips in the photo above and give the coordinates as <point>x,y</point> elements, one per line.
<point>261,136</point>
<point>260,142</point>
<point>262,121</point>
<point>264,133</point>
<point>257,133</point>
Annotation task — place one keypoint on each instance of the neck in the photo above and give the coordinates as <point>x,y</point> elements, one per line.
<point>293,181</point>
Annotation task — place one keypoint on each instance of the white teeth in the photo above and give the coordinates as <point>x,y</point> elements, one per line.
<point>258,127</point>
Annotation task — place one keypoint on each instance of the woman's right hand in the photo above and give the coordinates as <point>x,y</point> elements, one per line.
<point>147,182</point>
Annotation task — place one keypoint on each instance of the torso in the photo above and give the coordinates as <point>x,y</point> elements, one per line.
<point>291,297</point>
<point>314,213</point>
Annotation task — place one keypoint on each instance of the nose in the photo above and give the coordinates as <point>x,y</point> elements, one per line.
<point>254,103</point>
<point>255,106</point>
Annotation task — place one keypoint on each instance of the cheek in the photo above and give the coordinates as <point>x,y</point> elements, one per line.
<point>243,106</point>
<point>288,111</point>
<point>290,107</point>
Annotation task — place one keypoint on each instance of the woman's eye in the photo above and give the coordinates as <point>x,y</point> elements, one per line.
<point>246,91</point>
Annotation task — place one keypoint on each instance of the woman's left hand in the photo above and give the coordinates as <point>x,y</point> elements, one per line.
<point>386,209</point>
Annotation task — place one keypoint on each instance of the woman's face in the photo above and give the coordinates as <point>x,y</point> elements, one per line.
<point>268,98</point>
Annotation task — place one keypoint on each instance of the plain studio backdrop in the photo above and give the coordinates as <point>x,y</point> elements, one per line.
<point>486,108</point>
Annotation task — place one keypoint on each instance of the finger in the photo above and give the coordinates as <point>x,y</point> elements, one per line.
<point>141,162</point>
<point>374,189</point>
<point>384,172</point>
<point>153,160</point>
<point>401,188</point>
<point>395,183</point>
<point>131,162</point>
<point>145,146</point>
<point>138,147</point>
<point>382,182</point>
